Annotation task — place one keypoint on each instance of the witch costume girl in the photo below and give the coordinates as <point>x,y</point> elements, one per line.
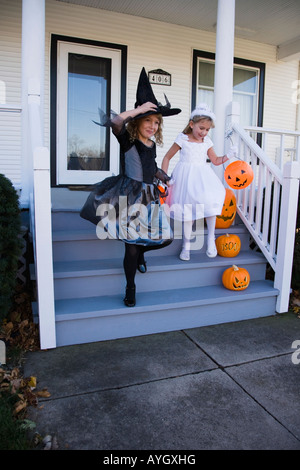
<point>127,207</point>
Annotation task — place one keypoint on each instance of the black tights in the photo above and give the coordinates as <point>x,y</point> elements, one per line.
<point>134,255</point>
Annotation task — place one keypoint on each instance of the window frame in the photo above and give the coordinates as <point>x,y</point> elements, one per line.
<point>210,56</point>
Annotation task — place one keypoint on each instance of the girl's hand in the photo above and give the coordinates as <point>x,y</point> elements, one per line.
<point>232,152</point>
<point>145,107</point>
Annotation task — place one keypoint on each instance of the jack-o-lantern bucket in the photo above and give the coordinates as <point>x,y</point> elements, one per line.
<point>225,219</point>
<point>235,278</point>
<point>238,175</point>
<point>163,192</point>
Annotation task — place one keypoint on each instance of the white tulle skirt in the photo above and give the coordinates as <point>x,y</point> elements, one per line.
<point>196,192</point>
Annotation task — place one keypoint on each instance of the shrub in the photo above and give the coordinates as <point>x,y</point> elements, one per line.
<point>10,243</point>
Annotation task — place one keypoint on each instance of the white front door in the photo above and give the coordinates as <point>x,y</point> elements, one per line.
<point>88,80</point>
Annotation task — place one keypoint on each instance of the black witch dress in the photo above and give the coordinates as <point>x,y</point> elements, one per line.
<point>127,207</point>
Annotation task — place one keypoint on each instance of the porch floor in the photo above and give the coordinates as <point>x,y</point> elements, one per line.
<point>69,199</point>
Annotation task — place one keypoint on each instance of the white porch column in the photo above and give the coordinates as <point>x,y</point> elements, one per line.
<point>223,73</point>
<point>33,59</point>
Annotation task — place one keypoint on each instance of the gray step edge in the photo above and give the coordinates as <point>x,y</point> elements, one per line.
<point>78,268</point>
<point>90,234</point>
<point>105,306</point>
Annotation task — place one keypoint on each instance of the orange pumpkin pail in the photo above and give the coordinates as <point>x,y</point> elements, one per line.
<point>238,175</point>
<point>163,192</point>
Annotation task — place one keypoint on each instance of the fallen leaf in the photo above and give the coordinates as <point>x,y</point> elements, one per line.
<point>296,302</point>
<point>32,382</point>
<point>19,406</point>
<point>43,393</point>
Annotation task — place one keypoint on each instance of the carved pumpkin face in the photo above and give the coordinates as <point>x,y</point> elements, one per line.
<point>238,175</point>
<point>228,245</point>
<point>235,278</point>
<point>225,219</point>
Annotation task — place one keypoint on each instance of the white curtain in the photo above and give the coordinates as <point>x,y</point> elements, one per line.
<point>245,90</point>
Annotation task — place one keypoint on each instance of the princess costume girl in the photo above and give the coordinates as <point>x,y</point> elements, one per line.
<point>196,191</point>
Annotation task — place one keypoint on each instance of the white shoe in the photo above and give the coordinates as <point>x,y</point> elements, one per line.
<point>211,251</point>
<point>184,255</point>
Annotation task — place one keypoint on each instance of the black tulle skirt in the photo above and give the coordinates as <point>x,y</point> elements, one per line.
<point>128,210</point>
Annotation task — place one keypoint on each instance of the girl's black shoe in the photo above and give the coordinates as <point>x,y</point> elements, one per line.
<point>129,299</point>
<point>142,265</point>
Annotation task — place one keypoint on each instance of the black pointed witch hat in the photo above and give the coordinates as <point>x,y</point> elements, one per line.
<point>145,93</point>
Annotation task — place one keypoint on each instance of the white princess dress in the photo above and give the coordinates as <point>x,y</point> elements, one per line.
<point>197,192</point>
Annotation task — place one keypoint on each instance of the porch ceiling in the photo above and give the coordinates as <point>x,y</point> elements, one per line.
<point>274,22</point>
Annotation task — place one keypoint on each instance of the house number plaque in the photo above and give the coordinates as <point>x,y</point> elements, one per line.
<point>159,77</point>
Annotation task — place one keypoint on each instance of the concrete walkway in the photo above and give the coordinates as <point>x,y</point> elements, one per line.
<point>231,386</point>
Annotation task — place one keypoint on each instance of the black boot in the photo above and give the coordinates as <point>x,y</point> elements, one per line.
<point>129,299</point>
<point>142,265</point>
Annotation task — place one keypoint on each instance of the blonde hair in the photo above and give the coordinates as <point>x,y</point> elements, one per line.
<point>188,129</point>
<point>133,125</point>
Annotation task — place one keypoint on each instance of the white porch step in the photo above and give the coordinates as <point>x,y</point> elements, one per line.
<point>105,317</point>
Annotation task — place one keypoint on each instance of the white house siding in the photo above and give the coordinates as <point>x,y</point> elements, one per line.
<point>154,44</point>
<point>151,44</point>
<point>10,90</point>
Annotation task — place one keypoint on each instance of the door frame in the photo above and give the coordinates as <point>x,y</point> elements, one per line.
<point>55,40</point>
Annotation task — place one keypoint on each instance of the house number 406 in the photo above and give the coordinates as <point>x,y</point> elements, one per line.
<point>296,354</point>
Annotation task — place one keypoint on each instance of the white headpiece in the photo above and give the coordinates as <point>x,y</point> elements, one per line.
<point>203,110</point>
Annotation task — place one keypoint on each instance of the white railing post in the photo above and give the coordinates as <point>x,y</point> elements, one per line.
<point>43,247</point>
<point>298,149</point>
<point>286,238</point>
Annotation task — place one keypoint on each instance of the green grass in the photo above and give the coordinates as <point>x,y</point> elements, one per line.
<point>13,431</point>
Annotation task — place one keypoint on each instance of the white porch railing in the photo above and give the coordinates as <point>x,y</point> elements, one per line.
<point>40,206</point>
<point>280,145</point>
<point>268,208</point>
